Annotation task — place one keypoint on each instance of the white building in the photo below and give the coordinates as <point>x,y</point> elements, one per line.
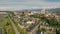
<point>3,13</point>
<point>30,22</point>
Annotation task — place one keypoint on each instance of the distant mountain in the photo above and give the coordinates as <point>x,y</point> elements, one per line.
<point>54,10</point>
<point>50,10</point>
<point>30,10</point>
<point>35,9</point>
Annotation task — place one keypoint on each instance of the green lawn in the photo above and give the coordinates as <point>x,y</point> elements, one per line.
<point>3,21</point>
<point>22,31</point>
<point>11,31</point>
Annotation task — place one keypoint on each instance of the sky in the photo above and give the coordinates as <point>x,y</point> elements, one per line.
<point>28,4</point>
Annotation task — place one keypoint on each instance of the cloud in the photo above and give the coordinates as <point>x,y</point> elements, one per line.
<point>26,4</point>
<point>12,8</point>
<point>52,0</point>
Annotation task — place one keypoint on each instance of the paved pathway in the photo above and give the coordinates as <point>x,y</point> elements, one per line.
<point>14,27</point>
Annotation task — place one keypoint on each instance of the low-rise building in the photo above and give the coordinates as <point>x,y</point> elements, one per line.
<point>3,13</point>
<point>30,22</point>
<point>26,12</point>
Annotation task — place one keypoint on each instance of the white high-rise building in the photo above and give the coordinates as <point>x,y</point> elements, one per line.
<point>44,11</point>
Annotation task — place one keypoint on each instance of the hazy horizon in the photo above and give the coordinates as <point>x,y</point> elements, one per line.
<point>28,4</point>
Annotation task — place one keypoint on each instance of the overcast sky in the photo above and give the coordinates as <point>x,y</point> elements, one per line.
<point>28,4</point>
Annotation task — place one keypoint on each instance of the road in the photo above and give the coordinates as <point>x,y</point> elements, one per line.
<point>14,27</point>
<point>33,31</point>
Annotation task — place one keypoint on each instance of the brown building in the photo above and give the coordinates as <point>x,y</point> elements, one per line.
<point>26,12</point>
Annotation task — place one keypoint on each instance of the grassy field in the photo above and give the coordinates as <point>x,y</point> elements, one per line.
<point>3,21</point>
<point>22,31</point>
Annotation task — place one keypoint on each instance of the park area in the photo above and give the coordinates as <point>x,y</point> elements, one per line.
<point>6,25</point>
